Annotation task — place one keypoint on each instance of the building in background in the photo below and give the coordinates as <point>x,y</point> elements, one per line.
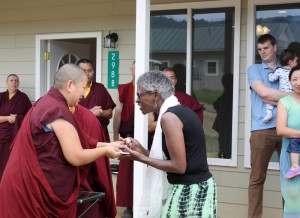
<point>203,40</point>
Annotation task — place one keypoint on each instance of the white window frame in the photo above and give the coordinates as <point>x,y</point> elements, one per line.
<point>251,46</point>
<point>236,52</point>
<point>206,68</point>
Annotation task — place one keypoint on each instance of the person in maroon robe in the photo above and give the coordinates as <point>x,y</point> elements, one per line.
<point>152,118</point>
<point>97,98</point>
<point>123,125</point>
<point>42,175</point>
<point>14,105</point>
<point>99,177</point>
<point>182,97</point>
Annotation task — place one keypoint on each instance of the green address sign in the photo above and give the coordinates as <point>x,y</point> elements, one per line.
<point>113,69</point>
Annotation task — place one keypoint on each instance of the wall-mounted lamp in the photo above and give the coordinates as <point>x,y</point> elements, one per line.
<point>261,30</point>
<point>110,40</point>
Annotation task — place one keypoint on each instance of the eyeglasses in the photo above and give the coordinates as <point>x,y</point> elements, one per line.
<point>88,70</point>
<point>140,94</point>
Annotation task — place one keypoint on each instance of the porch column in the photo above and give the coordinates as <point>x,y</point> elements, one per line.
<point>141,66</point>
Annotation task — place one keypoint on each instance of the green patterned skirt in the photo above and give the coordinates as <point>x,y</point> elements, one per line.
<point>191,201</point>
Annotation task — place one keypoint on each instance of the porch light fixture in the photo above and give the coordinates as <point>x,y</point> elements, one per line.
<point>261,30</point>
<point>110,40</point>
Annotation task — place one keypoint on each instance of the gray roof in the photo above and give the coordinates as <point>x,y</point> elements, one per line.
<point>209,38</point>
<point>168,39</point>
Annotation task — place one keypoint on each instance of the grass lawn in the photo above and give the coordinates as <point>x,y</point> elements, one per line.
<point>207,96</point>
<point>212,145</point>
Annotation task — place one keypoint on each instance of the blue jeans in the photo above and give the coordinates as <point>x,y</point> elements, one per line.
<point>294,145</point>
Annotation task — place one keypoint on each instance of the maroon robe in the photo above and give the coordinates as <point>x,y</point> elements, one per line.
<point>99,96</point>
<point>19,104</point>
<point>124,183</point>
<point>99,176</point>
<point>151,134</point>
<point>38,181</point>
<point>190,102</point>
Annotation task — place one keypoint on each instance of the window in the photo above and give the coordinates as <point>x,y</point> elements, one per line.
<point>213,38</point>
<point>168,39</point>
<point>202,45</point>
<point>282,21</point>
<point>67,58</point>
<point>211,68</point>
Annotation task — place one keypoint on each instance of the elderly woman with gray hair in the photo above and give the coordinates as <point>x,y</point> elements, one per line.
<point>178,149</point>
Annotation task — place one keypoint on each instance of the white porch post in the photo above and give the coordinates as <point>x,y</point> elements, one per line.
<point>141,66</point>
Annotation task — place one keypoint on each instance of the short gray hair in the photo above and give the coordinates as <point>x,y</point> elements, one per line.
<point>156,81</point>
<point>68,72</point>
<point>12,74</point>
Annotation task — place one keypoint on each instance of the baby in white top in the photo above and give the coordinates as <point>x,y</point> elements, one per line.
<point>288,59</point>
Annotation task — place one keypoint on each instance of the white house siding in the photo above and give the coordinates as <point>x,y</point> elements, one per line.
<point>17,56</point>
<point>20,21</point>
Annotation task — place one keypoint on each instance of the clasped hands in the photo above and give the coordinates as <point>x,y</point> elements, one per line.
<point>125,148</point>
<point>97,110</point>
<point>12,118</point>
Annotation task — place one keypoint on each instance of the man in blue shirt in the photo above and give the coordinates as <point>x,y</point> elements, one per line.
<point>264,139</point>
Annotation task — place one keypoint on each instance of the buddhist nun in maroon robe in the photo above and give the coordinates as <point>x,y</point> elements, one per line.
<point>19,104</point>
<point>99,176</point>
<point>97,98</point>
<point>182,97</point>
<point>38,180</point>
<point>124,185</point>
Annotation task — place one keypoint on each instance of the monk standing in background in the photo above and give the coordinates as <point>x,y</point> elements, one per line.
<point>96,98</point>
<point>14,105</point>
<point>98,176</point>
<point>182,97</point>
<point>123,126</point>
<point>42,176</point>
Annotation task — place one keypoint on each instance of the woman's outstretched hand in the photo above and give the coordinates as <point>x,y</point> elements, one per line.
<point>134,148</point>
<point>114,150</point>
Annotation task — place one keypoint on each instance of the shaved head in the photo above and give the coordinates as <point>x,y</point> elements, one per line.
<point>68,72</point>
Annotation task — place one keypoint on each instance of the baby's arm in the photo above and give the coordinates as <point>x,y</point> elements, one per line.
<point>274,76</point>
